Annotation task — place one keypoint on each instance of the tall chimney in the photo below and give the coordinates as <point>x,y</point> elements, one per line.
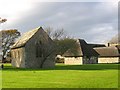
<point>108,44</point>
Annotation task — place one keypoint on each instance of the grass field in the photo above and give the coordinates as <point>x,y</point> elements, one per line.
<point>62,76</point>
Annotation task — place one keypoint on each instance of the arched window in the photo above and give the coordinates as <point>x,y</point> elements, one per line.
<point>39,49</point>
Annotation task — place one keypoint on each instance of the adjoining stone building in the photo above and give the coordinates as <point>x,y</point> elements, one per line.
<point>108,54</point>
<point>81,53</point>
<point>84,53</point>
<point>35,49</point>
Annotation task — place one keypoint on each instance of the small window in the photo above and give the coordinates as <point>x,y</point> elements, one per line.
<point>39,49</point>
<point>14,54</point>
<point>18,54</point>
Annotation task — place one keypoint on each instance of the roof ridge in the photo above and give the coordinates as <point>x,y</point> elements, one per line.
<point>26,37</point>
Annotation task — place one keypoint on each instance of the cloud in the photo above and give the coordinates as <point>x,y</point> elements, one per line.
<point>79,19</point>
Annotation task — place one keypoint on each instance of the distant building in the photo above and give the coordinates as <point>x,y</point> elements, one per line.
<point>84,53</point>
<point>108,54</point>
<point>32,49</point>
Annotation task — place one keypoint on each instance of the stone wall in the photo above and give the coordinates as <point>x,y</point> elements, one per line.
<point>28,57</point>
<point>18,57</point>
<point>73,61</point>
<point>108,59</point>
<point>49,63</point>
<point>90,60</point>
<point>31,60</point>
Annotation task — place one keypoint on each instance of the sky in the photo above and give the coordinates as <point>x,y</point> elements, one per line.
<point>95,21</point>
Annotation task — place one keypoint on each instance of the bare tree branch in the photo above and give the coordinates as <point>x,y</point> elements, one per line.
<point>56,34</point>
<point>8,39</point>
<point>2,20</point>
<point>115,39</point>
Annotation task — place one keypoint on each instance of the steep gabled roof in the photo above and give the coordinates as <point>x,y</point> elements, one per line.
<point>26,37</point>
<point>74,51</point>
<point>111,51</point>
<point>97,45</point>
<point>81,49</point>
<point>84,49</point>
<point>87,49</point>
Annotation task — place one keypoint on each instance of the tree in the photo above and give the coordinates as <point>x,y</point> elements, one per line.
<point>115,39</point>
<point>2,20</point>
<point>55,48</point>
<point>49,31</point>
<point>62,41</point>
<point>56,34</point>
<point>8,39</point>
<point>48,50</point>
<point>64,44</point>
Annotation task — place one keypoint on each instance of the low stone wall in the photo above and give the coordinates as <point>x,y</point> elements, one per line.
<point>18,57</point>
<point>108,59</point>
<point>73,61</point>
<point>90,60</point>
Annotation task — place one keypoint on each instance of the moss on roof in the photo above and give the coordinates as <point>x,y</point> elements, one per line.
<point>81,48</point>
<point>107,51</point>
<point>26,37</point>
<point>74,51</point>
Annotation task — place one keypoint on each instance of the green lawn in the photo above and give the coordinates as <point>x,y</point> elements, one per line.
<point>62,76</point>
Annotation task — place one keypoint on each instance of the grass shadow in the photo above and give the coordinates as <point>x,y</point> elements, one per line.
<point>68,67</point>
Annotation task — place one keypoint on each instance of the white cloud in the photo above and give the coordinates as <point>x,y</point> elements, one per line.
<point>14,9</point>
<point>81,20</point>
<point>102,33</point>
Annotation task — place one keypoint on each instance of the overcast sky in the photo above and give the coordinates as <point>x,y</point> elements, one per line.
<point>96,22</point>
